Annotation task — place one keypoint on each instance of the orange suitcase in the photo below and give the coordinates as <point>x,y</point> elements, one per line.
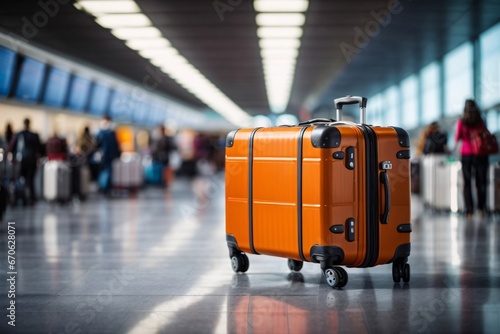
<point>334,193</point>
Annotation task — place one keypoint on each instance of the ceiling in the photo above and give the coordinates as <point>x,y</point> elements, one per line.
<point>227,52</point>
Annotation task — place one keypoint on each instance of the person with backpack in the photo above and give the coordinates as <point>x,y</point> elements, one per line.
<point>108,150</point>
<point>26,149</point>
<point>474,160</point>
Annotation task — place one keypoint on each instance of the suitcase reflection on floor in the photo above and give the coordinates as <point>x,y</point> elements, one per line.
<point>294,308</point>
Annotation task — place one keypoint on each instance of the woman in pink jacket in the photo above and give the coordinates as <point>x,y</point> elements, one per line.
<point>471,119</point>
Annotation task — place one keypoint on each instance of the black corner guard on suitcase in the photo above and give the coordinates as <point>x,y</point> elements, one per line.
<point>402,252</point>
<point>327,255</point>
<point>230,138</point>
<point>403,137</point>
<point>325,137</point>
<point>232,244</point>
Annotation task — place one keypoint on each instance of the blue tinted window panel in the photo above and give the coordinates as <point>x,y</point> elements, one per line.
<point>57,87</point>
<point>7,68</point>
<point>99,100</point>
<point>120,108</point>
<point>490,66</point>
<point>430,84</point>
<point>79,93</point>
<point>140,112</point>
<point>30,82</point>
<point>458,78</point>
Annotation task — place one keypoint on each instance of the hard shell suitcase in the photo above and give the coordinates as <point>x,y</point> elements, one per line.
<point>457,203</point>
<point>442,185</point>
<point>153,173</point>
<point>128,172</point>
<point>56,181</point>
<point>494,187</point>
<point>80,181</point>
<point>436,181</point>
<point>333,193</point>
<point>415,169</point>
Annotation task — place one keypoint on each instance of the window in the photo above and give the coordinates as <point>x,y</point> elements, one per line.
<point>392,110</point>
<point>374,110</point>
<point>489,43</point>
<point>492,121</point>
<point>409,102</point>
<point>431,91</point>
<point>458,79</point>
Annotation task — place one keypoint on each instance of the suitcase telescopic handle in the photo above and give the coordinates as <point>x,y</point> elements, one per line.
<point>341,101</point>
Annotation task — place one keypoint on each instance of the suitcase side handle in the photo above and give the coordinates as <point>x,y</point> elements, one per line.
<point>384,179</point>
<point>349,99</point>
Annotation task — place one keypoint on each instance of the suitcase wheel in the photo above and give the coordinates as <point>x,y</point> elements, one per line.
<point>295,265</point>
<point>400,271</point>
<point>336,277</point>
<point>240,262</point>
<point>406,273</point>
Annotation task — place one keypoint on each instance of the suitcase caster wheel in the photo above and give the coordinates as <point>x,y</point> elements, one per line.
<point>406,273</point>
<point>240,263</point>
<point>396,272</point>
<point>295,265</point>
<point>332,277</point>
<point>343,277</point>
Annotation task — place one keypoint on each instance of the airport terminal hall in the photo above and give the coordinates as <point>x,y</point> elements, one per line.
<point>249,166</point>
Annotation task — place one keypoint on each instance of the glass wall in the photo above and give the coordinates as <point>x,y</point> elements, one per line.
<point>374,110</point>
<point>430,109</point>
<point>392,108</point>
<point>409,102</point>
<point>458,79</point>
<point>490,67</point>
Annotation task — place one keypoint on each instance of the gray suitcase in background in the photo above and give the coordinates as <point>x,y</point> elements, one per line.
<point>457,187</point>
<point>436,181</point>
<point>56,181</point>
<point>493,192</point>
<point>128,172</point>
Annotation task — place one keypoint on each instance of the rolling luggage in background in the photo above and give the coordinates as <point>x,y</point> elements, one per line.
<point>38,178</point>
<point>154,173</point>
<point>457,203</point>
<point>128,172</point>
<point>435,167</point>
<point>415,165</point>
<point>4,199</point>
<point>493,194</point>
<point>334,193</point>
<point>442,185</point>
<point>80,181</point>
<point>80,177</point>
<point>56,181</point>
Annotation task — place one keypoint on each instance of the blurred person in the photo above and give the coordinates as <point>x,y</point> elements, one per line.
<point>108,150</point>
<point>433,140</point>
<point>471,120</point>
<point>161,148</point>
<point>26,148</point>
<point>56,148</point>
<point>9,133</point>
<point>86,143</point>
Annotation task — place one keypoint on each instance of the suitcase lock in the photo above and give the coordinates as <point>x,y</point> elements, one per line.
<point>385,165</point>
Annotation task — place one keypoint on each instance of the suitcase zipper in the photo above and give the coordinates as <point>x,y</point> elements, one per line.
<point>250,189</point>
<point>300,155</point>
<point>372,232</point>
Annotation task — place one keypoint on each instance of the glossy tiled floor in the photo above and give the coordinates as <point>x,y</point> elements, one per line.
<point>158,263</point>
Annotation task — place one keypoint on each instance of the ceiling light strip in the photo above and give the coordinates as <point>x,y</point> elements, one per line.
<point>129,24</point>
<point>279,29</point>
